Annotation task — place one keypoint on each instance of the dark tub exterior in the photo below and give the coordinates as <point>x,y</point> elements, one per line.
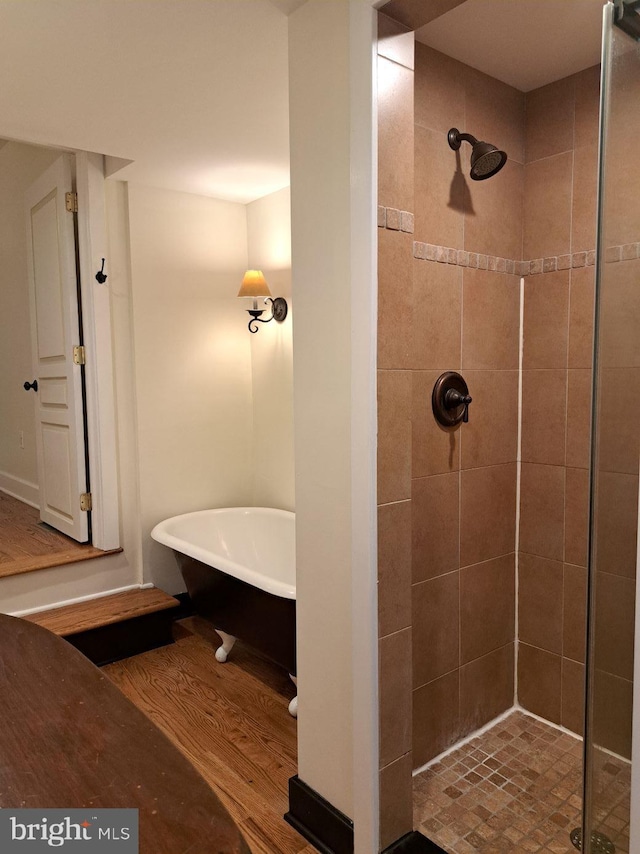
<point>265,622</point>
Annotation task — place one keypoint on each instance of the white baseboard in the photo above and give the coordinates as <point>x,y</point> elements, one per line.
<point>79,599</point>
<point>23,490</point>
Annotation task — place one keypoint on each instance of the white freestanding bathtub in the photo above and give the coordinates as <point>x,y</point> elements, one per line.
<point>238,564</point>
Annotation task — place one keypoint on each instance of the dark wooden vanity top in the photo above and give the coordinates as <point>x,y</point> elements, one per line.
<point>70,739</point>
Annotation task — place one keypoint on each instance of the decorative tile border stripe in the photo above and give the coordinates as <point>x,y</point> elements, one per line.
<point>395,220</point>
<point>558,262</point>
<point>626,252</point>
<point>476,260</point>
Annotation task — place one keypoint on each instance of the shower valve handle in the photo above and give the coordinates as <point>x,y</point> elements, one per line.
<point>453,399</point>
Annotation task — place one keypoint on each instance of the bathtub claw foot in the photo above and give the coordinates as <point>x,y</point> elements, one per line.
<point>293,705</point>
<point>227,645</point>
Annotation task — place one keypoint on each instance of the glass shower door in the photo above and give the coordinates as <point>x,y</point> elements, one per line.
<point>610,822</point>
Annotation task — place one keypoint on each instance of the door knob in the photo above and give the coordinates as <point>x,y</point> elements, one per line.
<point>33,385</point>
<point>450,399</point>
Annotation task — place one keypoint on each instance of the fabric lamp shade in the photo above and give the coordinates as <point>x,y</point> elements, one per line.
<point>254,285</point>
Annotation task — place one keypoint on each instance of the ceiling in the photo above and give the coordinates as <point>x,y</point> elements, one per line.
<point>194,93</point>
<point>525,43</point>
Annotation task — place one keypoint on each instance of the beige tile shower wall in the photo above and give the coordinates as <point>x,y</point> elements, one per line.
<point>395,260</point>
<point>559,220</point>
<point>463,483</point>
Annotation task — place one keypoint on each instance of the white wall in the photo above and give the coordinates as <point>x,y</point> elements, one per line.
<point>363,27</point>
<point>203,408</point>
<point>319,113</point>
<point>333,247</point>
<point>269,250</point>
<point>200,453</point>
<point>20,165</point>
<point>48,588</point>
<point>192,361</point>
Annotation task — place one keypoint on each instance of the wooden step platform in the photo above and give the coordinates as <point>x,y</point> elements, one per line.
<point>114,627</point>
<point>83,616</point>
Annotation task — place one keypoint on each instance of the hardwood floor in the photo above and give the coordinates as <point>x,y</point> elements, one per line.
<point>230,720</point>
<point>26,544</point>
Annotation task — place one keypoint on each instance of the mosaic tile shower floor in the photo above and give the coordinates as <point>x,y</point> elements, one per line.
<point>517,788</point>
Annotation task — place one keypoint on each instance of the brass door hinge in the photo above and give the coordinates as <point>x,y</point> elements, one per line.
<point>85,501</point>
<point>79,355</point>
<point>71,202</point>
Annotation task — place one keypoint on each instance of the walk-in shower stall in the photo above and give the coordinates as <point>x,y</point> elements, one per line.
<point>509,442</point>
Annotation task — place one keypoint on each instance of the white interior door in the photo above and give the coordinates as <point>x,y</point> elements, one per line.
<point>55,330</point>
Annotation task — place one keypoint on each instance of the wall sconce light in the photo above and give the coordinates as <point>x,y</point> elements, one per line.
<point>254,285</point>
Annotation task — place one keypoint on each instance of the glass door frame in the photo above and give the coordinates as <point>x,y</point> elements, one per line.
<point>623,15</point>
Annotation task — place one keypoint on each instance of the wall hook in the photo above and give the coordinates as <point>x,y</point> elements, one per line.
<point>101,276</point>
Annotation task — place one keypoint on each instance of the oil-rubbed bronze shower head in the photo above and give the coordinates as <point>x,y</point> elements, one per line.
<point>486,159</point>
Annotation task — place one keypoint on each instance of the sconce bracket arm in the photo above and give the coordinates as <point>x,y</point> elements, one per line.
<point>279,311</point>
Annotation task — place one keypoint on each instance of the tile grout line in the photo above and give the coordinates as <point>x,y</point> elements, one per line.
<point>460,501</point>
<point>547,722</point>
<point>461,283</point>
<point>396,632</point>
<point>466,664</point>
<point>391,503</point>
<point>393,761</point>
<point>566,421</point>
<point>516,643</point>
<point>470,566</point>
